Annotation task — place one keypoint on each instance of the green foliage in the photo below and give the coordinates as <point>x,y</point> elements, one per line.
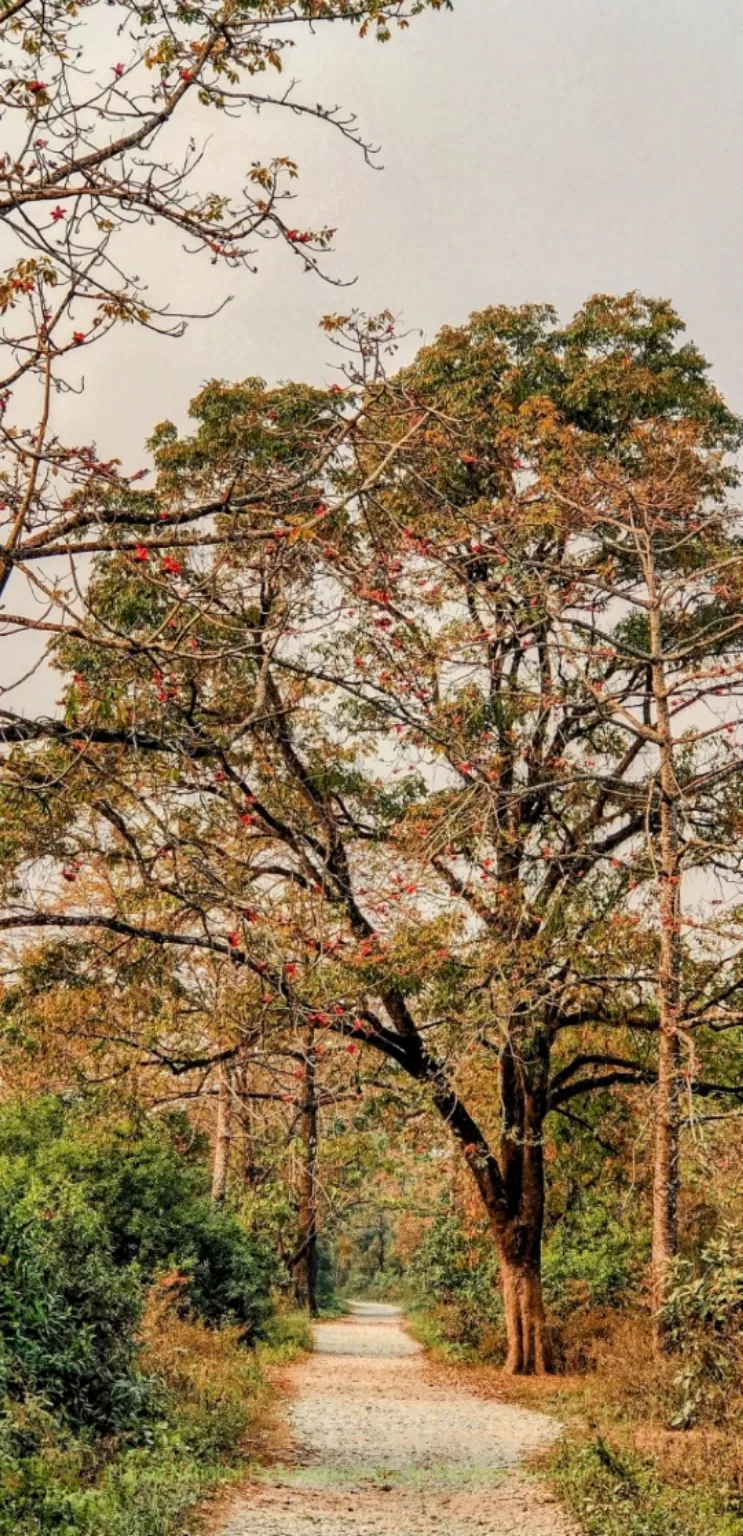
<point>51,1483</point>
<point>453,1276</point>
<point>703,1319</point>
<point>116,1419</point>
<point>286,1336</point>
<point>145,1183</point>
<point>620,1494</point>
<point>593,1258</point>
<point>68,1313</point>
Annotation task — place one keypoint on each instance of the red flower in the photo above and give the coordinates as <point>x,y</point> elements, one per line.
<point>233,939</point>
<point>141,553</point>
<point>78,337</point>
<point>249,915</point>
<point>187,75</point>
<point>118,70</point>
<point>336,389</point>
<point>35,86</point>
<point>69,874</point>
<point>353,1050</point>
<point>57,214</point>
<point>41,143</point>
<point>172,565</point>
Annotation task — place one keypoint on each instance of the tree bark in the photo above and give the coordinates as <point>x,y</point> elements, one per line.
<point>305,1281</point>
<point>518,1230</point>
<point>526,1325</point>
<point>245,1117</point>
<point>512,1190</point>
<point>667,1117</point>
<point>223,1141</point>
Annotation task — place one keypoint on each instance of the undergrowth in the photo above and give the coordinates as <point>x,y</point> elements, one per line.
<point>620,1493</point>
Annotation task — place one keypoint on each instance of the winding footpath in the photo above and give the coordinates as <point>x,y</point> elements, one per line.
<point>380,1447</point>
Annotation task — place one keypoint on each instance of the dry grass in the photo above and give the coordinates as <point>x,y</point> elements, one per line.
<point>610,1391</point>
<point>223,1401</point>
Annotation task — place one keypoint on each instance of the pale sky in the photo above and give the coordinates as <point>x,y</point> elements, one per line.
<point>533,150</point>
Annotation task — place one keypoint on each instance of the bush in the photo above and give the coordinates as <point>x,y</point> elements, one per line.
<point>617,1493</point>
<point>703,1321</point>
<point>213,1386</point>
<point>287,1336</point>
<point>147,1182</point>
<point>115,1418</point>
<point>53,1485</point>
<point>594,1258</point>
<point>68,1314</point>
<point>453,1276</point>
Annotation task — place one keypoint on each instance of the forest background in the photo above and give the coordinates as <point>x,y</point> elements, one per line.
<point>371,894</point>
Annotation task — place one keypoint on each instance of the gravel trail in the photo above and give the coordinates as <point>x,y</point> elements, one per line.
<point>380,1447</point>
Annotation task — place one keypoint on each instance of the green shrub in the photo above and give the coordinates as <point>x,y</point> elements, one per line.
<point>52,1485</point>
<point>594,1258</point>
<point>703,1321</point>
<point>620,1494</point>
<point>147,1181</point>
<point>453,1276</point>
<point>68,1314</point>
<point>115,1417</point>
<point>285,1337</point>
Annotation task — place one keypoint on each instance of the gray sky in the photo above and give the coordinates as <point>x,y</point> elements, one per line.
<point>533,150</point>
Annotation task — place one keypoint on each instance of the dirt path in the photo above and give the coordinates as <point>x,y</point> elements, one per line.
<point>380,1447</point>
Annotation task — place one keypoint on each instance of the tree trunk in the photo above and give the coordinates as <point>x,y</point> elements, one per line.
<point>245,1116</point>
<point>518,1231</point>
<point>668,1118</point>
<point>223,1141</point>
<point>526,1325</point>
<point>512,1190</point>
<point>305,1285</point>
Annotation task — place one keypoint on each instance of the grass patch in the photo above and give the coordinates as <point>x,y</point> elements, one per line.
<point>438,1329</point>
<point>628,1466</point>
<point>619,1493</point>
<point>286,1337</point>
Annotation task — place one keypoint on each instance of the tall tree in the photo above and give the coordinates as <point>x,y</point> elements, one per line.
<point>472,909</point>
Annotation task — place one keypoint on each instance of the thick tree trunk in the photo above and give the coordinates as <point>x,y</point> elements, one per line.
<point>518,1230</point>
<point>223,1141</point>
<point>305,1282</point>
<point>512,1191</point>
<point>526,1326</point>
<point>510,1185</point>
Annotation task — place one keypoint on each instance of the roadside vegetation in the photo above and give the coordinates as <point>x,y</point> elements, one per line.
<point>136,1320</point>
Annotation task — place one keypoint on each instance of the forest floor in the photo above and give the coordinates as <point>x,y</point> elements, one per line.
<point>381,1442</point>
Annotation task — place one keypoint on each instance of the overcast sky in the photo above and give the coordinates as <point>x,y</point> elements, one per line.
<point>532,150</point>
